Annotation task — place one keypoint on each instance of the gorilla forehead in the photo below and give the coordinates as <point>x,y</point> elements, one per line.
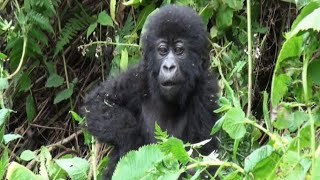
<point>173,22</point>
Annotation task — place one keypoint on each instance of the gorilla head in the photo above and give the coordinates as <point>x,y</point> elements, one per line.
<point>175,48</point>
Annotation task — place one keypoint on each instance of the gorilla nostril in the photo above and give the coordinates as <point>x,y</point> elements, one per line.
<point>171,68</point>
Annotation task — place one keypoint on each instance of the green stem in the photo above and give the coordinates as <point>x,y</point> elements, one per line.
<point>109,43</point>
<point>94,162</point>
<point>306,97</point>
<point>216,163</point>
<point>249,58</point>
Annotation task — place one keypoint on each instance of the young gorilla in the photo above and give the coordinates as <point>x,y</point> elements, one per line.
<point>172,86</point>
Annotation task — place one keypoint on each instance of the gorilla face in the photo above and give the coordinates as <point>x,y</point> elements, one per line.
<point>170,77</point>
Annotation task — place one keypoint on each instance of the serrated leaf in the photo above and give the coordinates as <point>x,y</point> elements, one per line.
<point>30,108</point>
<point>124,60</point>
<point>4,114</point>
<point>104,19</point>
<point>261,159</point>
<point>137,164</point>
<point>175,146</point>
<point>17,171</point>
<point>224,18</point>
<point>62,95</point>
<point>54,80</point>
<point>91,28</point>
<point>311,21</point>
<point>3,83</point>
<point>10,137</point>
<point>28,155</point>
<point>234,123</point>
<point>235,4</point>
<point>76,168</point>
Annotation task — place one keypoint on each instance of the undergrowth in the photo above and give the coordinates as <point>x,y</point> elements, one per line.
<point>266,54</point>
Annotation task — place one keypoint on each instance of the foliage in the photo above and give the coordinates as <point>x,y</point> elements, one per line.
<point>52,51</point>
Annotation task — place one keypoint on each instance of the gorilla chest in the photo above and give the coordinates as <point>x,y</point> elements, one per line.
<point>175,123</point>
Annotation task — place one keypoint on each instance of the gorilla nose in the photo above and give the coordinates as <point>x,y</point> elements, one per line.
<point>169,68</point>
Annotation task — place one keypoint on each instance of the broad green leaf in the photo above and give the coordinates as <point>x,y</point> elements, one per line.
<point>124,60</point>
<point>132,2</point>
<point>284,118</point>
<point>262,162</point>
<point>113,4</point>
<point>311,21</point>
<point>104,19</point>
<point>316,174</point>
<point>217,126</point>
<point>305,11</point>
<point>30,108</point>
<point>138,164</point>
<point>234,4</point>
<point>17,171</point>
<point>291,168</point>
<point>279,88</point>
<point>314,71</point>
<point>3,83</point>
<point>206,14</point>
<point>3,56</point>
<point>234,123</point>
<point>4,114</point>
<point>62,95</point>
<point>28,155</point>
<point>143,16</point>
<point>54,80</point>
<point>299,117</point>
<point>4,161</point>
<point>76,168</point>
<point>224,18</point>
<point>10,137</point>
<point>91,28</point>
<point>25,82</point>
<point>302,139</point>
<point>175,146</point>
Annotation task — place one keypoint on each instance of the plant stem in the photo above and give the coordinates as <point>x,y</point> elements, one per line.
<point>306,97</point>
<point>25,39</point>
<point>109,43</point>
<point>249,58</point>
<point>216,163</point>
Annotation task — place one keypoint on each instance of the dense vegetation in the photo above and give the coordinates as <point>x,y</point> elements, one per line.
<point>266,53</point>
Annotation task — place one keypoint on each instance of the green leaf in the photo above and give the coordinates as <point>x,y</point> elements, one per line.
<point>3,56</point>
<point>102,166</point>
<point>224,18</point>
<point>124,60</point>
<point>311,21</point>
<point>4,161</point>
<point>91,28</point>
<point>279,88</point>
<point>159,134</point>
<point>25,82</point>
<point>76,168</point>
<point>10,137</point>
<point>291,167</point>
<point>4,114</point>
<point>314,71</point>
<point>235,4</point>
<point>261,159</point>
<point>217,126</point>
<point>54,80</point>
<point>104,19</point>
<point>62,95</point>
<point>113,4</point>
<point>299,117</point>
<point>17,171</point>
<point>305,11</point>
<point>284,118</point>
<point>76,117</point>
<point>176,147</point>
<point>3,84</point>
<point>30,108</point>
<point>138,164</point>
<point>206,14</point>
<point>143,16</point>
<point>316,174</point>
<point>132,2</point>
<point>28,155</point>
<point>234,123</point>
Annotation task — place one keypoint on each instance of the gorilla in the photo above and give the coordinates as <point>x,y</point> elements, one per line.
<point>172,85</point>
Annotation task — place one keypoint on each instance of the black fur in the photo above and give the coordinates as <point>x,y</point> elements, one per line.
<point>122,111</point>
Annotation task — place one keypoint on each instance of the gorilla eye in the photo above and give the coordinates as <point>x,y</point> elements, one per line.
<point>162,49</point>
<point>178,50</point>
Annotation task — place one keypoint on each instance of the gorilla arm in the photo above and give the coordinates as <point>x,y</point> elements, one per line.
<point>112,107</point>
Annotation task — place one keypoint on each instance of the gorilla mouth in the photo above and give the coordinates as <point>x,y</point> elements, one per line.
<point>169,84</point>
